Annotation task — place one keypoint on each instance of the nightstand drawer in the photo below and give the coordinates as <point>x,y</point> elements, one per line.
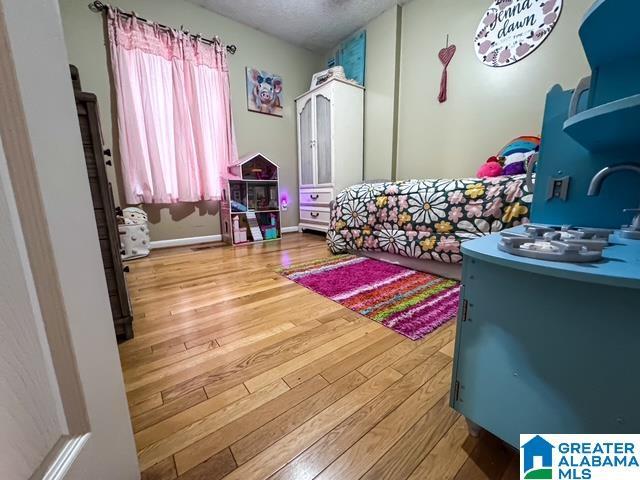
<point>316,196</point>
<point>314,215</point>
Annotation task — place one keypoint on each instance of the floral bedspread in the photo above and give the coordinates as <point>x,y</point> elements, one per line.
<point>426,218</point>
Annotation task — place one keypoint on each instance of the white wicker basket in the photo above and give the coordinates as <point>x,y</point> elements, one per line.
<point>134,234</point>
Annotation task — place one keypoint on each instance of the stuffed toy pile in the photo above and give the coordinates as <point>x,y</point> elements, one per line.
<point>512,159</point>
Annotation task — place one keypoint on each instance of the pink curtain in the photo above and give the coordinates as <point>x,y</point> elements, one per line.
<point>174,113</point>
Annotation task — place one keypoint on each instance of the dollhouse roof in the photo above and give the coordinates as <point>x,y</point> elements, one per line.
<point>251,156</point>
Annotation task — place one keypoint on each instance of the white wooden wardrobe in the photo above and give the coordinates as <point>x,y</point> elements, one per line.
<point>330,147</point>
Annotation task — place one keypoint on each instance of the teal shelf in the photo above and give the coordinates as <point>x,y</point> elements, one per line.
<point>611,126</point>
<point>609,31</point>
<point>620,266</point>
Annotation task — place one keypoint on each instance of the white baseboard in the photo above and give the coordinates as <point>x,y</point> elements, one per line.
<point>181,242</point>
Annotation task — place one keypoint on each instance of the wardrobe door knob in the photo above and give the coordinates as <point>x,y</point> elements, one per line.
<point>108,162</point>
<point>126,269</point>
<point>107,152</point>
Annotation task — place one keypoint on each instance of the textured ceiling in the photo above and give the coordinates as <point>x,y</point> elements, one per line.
<point>316,25</point>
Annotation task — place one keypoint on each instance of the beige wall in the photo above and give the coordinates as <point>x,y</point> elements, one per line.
<point>380,84</point>
<point>487,106</point>
<point>275,137</point>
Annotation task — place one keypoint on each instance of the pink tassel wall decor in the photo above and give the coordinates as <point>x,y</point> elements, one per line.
<point>445,55</point>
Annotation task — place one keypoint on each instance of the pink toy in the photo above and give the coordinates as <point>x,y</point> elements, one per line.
<point>491,168</point>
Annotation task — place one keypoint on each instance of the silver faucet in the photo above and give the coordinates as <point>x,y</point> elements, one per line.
<point>628,231</point>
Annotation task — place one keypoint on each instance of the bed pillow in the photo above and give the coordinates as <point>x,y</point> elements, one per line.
<point>522,144</point>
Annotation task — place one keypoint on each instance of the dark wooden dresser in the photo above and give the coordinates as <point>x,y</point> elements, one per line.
<point>103,208</point>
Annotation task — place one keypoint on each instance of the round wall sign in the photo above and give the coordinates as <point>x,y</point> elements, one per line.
<point>512,29</point>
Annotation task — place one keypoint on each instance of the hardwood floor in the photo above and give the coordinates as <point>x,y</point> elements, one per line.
<point>236,372</point>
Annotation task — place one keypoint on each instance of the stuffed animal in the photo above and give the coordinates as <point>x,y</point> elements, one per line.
<point>516,168</point>
<point>492,168</point>
<point>512,159</point>
<point>517,153</point>
<point>516,163</point>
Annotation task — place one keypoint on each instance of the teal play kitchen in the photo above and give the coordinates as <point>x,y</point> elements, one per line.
<point>549,321</point>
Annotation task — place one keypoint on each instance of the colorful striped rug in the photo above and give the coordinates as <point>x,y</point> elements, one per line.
<point>409,302</point>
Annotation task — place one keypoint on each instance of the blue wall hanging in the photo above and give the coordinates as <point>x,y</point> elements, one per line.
<point>351,55</point>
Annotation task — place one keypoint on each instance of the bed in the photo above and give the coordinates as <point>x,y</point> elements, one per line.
<point>422,223</point>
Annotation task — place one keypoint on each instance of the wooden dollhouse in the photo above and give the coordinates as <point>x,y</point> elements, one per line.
<point>250,206</point>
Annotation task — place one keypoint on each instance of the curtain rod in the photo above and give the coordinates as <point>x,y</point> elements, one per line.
<point>98,6</point>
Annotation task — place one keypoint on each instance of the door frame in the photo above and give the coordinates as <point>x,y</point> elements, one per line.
<point>41,141</point>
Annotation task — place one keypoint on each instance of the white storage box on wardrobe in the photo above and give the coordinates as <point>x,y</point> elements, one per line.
<point>330,122</point>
